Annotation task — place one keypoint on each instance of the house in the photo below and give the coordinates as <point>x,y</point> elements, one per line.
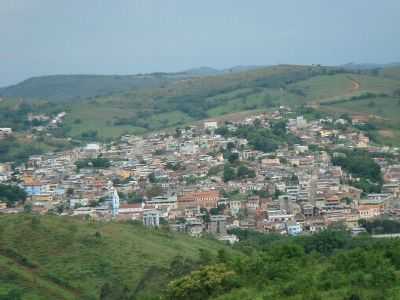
<point>211,125</point>
<point>130,211</point>
<point>5,133</point>
<point>235,206</point>
<point>206,199</point>
<point>167,202</point>
<point>218,225</point>
<point>293,228</point>
<point>230,238</point>
<point>194,227</point>
<point>92,149</point>
<point>270,162</point>
<point>367,211</point>
<point>33,187</point>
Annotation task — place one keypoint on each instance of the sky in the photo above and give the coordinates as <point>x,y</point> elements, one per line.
<point>44,37</point>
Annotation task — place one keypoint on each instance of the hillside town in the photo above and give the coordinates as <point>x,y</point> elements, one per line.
<point>209,178</point>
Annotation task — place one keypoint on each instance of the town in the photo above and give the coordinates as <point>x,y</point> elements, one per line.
<point>272,172</point>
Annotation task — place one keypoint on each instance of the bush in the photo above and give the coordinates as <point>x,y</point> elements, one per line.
<point>203,284</point>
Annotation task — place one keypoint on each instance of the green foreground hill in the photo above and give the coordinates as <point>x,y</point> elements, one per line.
<point>52,257</point>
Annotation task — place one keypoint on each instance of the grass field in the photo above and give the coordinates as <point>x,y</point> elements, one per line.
<point>323,87</point>
<point>52,257</point>
<point>391,72</point>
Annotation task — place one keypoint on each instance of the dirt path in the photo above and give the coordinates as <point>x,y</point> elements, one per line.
<point>355,87</point>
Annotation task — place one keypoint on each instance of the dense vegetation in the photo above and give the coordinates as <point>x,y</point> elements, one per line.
<point>329,265</point>
<point>381,226</point>
<point>97,163</point>
<point>19,149</point>
<point>11,194</point>
<point>232,172</point>
<point>262,139</point>
<point>360,165</point>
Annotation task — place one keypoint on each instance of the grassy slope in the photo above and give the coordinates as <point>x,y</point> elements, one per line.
<point>64,257</point>
<point>163,106</point>
<point>391,72</point>
<point>184,100</point>
<point>222,95</point>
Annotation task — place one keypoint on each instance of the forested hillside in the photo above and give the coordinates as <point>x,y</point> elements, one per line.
<point>50,257</point>
<point>330,265</point>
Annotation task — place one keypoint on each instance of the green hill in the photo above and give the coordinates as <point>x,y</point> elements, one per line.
<point>74,87</point>
<point>391,72</point>
<point>52,257</point>
<point>330,265</point>
<point>104,107</point>
<point>184,101</point>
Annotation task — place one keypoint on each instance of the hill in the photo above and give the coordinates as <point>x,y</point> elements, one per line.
<point>54,257</point>
<point>74,87</point>
<point>330,265</point>
<point>51,257</point>
<point>185,101</point>
<point>391,72</point>
<point>144,103</point>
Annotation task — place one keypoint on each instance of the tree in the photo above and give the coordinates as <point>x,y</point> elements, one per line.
<point>98,163</point>
<point>69,192</point>
<point>229,173</point>
<point>28,208</point>
<point>230,146</point>
<point>233,157</point>
<point>13,294</point>
<point>152,177</point>
<point>202,284</point>
<point>12,194</point>
<point>245,172</point>
<point>134,197</point>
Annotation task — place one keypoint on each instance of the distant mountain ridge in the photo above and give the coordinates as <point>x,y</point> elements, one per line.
<point>368,66</point>
<point>208,71</point>
<point>69,87</point>
<point>74,87</point>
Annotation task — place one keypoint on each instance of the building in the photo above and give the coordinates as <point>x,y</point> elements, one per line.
<point>211,125</point>
<point>5,132</point>
<point>159,202</point>
<point>205,199</point>
<point>151,218</point>
<point>218,225</point>
<point>293,228</point>
<point>130,211</point>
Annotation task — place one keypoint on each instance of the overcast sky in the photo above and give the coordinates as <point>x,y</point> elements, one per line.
<point>39,37</point>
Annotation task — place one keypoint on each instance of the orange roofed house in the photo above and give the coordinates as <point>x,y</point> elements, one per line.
<point>206,199</point>
<point>367,211</point>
